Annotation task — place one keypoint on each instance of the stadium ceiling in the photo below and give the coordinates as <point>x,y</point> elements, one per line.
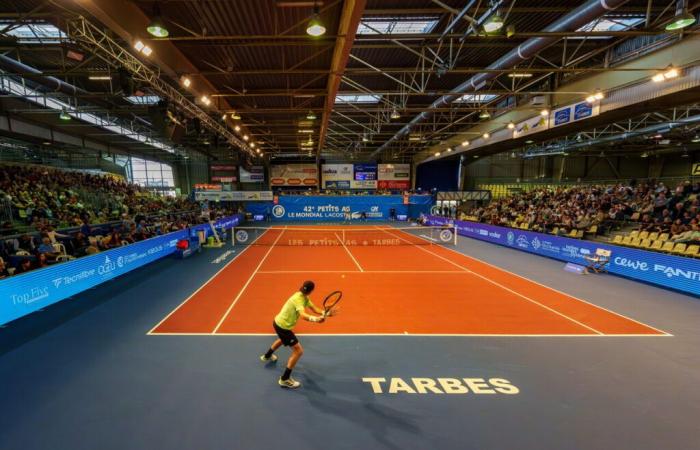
<point>386,80</point>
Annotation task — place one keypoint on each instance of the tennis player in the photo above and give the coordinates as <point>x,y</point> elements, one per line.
<point>283,324</point>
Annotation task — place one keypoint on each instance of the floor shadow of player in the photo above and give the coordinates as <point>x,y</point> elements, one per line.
<point>361,409</point>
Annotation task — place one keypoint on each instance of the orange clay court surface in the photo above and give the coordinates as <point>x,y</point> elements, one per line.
<point>387,290</point>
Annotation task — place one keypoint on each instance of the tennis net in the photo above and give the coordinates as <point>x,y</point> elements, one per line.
<point>348,236</point>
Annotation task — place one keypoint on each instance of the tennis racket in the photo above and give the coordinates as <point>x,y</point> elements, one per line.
<point>331,302</point>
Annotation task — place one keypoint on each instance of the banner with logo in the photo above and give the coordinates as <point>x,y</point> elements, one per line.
<point>334,208</point>
<point>234,196</point>
<point>532,125</point>
<point>294,175</point>
<point>256,174</point>
<point>394,176</point>
<point>673,272</point>
<point>337,176</point>
<point>28,292</point>
<point>575,112</point>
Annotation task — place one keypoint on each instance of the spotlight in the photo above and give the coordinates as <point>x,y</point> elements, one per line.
<point>696,138</point>
<point>658,78</point>
<point>237,128</point>
<point>544,112</point>
<point>484,115</point>
<point>437,154</point>
<point>147,50</point>
<point>252,145</point>
<point>671,72</point>
<point>486,135</point>
<point>204,99</point>
<point>139,46</point>
<point>185,80</point>
<point>395,114</point>
<point>599,95</point>
<point>511,125</point>
<point>156,27</point>
<point>223,117</point>
<point>465,144</point>
<point>365,138</point>
<point>235,116</point>
<point>448,150</point>
<point>315,27</point>
<point>311,116</point>
<point>245,137</point>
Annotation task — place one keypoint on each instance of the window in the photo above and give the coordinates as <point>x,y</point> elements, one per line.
<point>143,99</point>
<point>476,98</point>
<point>34,33</point>
<point>152,174</point>
<point>609,23</point>
<point>397,25</point>
<point>362,98</point>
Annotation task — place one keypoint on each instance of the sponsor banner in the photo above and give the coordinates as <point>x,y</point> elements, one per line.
<point>394,172</point>
<point>695,171</point>
<point>256,174</point>
<point>26,293</point>
<point>207,187</point>
<point>574,112</point>
<point>294,175</point>
<point>337,184</point>
<point>394,184</point>
<point>223,179</point>
<point>529,126</point>
<point>234,196</point>
<point>673,272</point>
<point>223,168</point>
<point>337,172</point>
<point>333,208</point>
<point>365,176</point>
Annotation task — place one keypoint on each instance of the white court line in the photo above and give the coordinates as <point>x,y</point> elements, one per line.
<point>557,290</point>
<point>461,272</point>
<point>495,283</point>
<point>349,253</point>
<point>424,335</point>
<point>205,283</point>
<point>252,275</point>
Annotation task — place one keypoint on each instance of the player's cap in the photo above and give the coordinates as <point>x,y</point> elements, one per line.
<point>307,287</point>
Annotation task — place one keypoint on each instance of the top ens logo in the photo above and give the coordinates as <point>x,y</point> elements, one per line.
<point>278,211</point>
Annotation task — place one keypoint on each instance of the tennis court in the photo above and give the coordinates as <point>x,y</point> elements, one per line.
<point>395,281</point>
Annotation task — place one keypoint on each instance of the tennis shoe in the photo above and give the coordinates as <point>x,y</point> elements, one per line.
<point>272,358</point>
<point>290,383</point>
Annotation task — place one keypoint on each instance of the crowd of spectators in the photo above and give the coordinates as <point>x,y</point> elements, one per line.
<point>50,202</point>
<point>649,205</point>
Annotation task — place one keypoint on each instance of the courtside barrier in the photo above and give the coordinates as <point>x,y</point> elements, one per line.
<point>25,293</point>
<point>333,208</point>
<point>672,272</point>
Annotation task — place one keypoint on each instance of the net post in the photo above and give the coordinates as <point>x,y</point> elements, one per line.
<point>454,231</point>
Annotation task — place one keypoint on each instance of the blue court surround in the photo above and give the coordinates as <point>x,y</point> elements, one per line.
<point>84,375</point>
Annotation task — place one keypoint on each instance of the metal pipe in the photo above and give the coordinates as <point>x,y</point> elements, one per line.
<point>53,83</point>
<point>571,22</point>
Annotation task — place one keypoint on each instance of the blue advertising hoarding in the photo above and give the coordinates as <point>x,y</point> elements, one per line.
<point>26,293</point>
<point>333,208</point>
<point>673,272</point>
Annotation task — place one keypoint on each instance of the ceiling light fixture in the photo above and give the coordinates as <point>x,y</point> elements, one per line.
<point>682,20</point>
<point>156,27</point>
<point>64,115</point>
<point>465,144</point>
<point>245,137</point>
<point>237,128</point>
<point>494,23</point>
<point>486,135</point>
<point>147,50</point>
<point>520,75</point>
<point>235,116</point>
<point>437,154</point>
<point>315,27</point>
<point>306,131</point>
<point>395,114</point>
<point>511,125</point>
<point>311,116</point>
<point>448,150</point>
<point>544,112</point>
<point>186,81</point>
<point>99,77</point>
<point>484,115</point>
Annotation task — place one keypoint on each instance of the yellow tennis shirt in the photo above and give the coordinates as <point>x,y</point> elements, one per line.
<point>289,314</point>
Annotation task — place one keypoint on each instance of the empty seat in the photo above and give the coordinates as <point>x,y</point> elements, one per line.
<point>656,245</point>
<point>664,236</point>
<point>643,235</point>
<point>692,250</point>
<point>627,240</point>
<point>634,233</point>
<point>667,247</point>
<point>646,243</point>
<point>679,249</point>
<point>617,239</point>
<point>653,236</point>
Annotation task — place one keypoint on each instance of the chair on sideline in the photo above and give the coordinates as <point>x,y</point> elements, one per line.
<point>598,262</point>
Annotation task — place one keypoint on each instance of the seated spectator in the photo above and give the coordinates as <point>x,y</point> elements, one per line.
<point>4,273</point>
<point>47,250</point>
<point>25,265</point>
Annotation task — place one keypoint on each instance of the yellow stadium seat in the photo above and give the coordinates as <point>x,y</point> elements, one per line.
<point>593,229</point>
<point>646,243</point>
<point>617,239</point>
<point>653,236</point>
<point>679,249</point>
<point>657,245</point>
<point>626,240</point>
<point>572,234</point>
<point>643,235</point>
<point>664,237</point>
<point>636,242</point>
<point>555,230</point>
<point>634,234</point>
<point>692,250</point>
<point>667,247</point>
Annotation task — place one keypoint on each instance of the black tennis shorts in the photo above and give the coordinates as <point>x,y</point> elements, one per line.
<point>287,337</point>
